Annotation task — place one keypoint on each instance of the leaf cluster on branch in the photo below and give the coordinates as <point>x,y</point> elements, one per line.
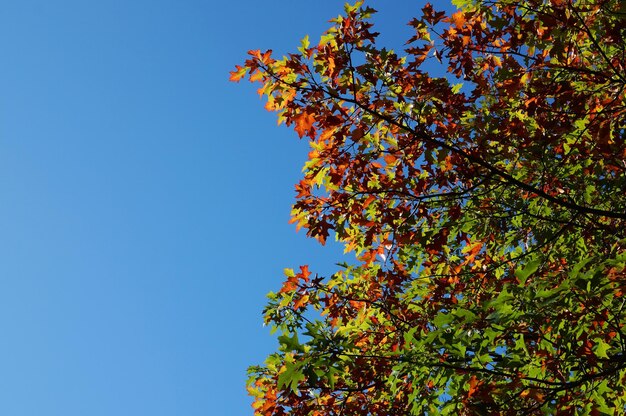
<point>486,210</point>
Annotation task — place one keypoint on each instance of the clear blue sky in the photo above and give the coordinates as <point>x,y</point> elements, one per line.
<point>144,201</point>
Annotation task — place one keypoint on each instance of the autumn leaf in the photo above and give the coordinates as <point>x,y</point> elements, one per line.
<point>304,123</point>
<point>239,73</point>
<point>474,384</point>
<point>458,19</point>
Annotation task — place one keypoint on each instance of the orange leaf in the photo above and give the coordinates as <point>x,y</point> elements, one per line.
<point>266,57</point>
<point>238,74</point>
<point>389,159</point>
<point>368,201</point>
<point>458,19</point>
<point>304,123</point>
<point>327,134</point>
<point>474,383</point>
<point>331,66</point>
<point>256,53</point>
<point>305,273</point>
<point>301,301</point>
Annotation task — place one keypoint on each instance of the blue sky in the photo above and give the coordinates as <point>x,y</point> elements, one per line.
<point>144,201</point>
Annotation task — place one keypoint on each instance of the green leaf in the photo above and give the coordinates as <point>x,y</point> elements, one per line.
<point>304,45</point>
<point>290,343</point>
<point>464,4</point>
<point>465,315</point>
<point>350,8</point>
<point>443,319</point>
<point>291,376</point>
<point>601,348</point>
<point>530,268</point>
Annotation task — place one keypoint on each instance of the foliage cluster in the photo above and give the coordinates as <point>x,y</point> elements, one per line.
<point>486,210</point>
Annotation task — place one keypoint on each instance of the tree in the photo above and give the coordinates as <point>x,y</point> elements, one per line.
<point>486,210</point>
